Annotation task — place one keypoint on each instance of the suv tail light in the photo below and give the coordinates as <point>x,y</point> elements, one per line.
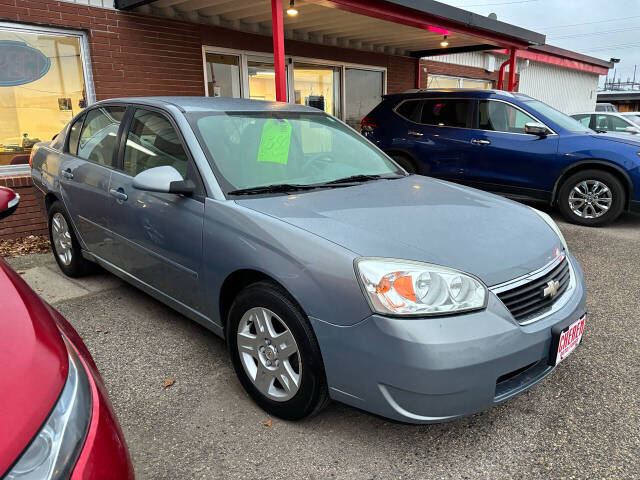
<point>368,122</point>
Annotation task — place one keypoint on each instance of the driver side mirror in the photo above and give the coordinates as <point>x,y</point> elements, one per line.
<point>535,128</point>
<point>8,202</point>
<point>165,179</point>
<point>631,129</point>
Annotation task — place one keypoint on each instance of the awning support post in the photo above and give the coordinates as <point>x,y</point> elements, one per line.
<point>512,70</point>
<point>278,50</point>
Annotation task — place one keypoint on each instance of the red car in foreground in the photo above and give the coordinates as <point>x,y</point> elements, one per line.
<point>56,421</point>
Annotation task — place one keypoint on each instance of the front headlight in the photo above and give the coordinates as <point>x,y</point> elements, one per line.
<point>54,451</point>
<point>553,226</point>
<point>404,287</point>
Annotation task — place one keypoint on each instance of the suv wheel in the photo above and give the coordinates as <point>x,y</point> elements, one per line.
<point>275,353</point>
<point>591,198</point>
<point>404,162</point>
<point>66,248</point>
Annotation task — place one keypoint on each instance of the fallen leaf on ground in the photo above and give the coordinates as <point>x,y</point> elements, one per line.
<point>168,382</point>
<point>267,423</point>
<point>24,246</point>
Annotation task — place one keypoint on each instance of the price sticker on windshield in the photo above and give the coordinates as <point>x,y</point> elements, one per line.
<point>275,142</point>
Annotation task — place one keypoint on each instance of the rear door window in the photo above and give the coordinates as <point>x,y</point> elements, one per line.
<point>99,135</point>
<point>447,113</point>
<point>583,119</point>
<point>501,117</point>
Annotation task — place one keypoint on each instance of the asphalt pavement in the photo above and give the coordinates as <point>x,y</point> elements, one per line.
<point>581,422</point>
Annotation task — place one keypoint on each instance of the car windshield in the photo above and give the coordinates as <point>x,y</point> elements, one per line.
<point>633,117</point>
<point>564,121</point>
<point>249,150</point>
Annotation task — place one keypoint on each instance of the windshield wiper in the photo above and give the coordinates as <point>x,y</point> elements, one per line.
<point>359,178</point>
<point>281,188</point>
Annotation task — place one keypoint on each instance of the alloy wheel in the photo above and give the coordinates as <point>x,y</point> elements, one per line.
<point>269,354</point>
<point>590,199</point>
<point>62,242</point>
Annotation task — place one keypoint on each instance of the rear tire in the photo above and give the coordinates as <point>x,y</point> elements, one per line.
<point>275,353</point>
<point>592,198</point>
<point>405,163</point>
<point>64,243</point>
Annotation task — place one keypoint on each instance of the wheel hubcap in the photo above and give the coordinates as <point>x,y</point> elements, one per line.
<point>269,354</point>
<point>61,239</point>
<point>590,199</point>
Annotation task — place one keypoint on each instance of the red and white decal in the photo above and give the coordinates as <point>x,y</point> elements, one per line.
<point>570,339</point>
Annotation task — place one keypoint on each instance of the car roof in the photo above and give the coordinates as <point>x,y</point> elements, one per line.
<point>459,93</point>
<point>209,104</point>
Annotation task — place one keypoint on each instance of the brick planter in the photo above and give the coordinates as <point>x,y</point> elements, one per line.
<point>30,217</point>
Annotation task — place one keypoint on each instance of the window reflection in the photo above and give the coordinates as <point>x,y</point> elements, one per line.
<point>41,88</point>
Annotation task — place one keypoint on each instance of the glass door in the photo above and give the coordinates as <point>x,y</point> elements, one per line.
<point>223,75</point>
<point>261,78</point>
<point>364,90</point>
<point>317,86</point>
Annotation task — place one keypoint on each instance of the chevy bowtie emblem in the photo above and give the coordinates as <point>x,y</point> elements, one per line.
<point>551,289</point>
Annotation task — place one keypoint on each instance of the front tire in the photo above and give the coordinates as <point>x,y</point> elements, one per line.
<point>275,353</point>
<point>592,198</point>
<point>64,243</point>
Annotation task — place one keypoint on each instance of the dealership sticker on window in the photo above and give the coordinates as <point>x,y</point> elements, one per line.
<point>275,142</point>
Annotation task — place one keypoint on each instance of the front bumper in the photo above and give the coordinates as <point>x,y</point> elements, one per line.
<point>436,369</point>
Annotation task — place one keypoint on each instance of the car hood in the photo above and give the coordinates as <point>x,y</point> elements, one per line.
<point>423,219</point>
<point>34,365</point>
<point>626,138</point>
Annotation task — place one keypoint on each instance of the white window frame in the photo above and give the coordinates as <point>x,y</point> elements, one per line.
<point>290,60</point>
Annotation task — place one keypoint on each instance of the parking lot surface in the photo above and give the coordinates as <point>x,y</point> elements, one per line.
<point>580,422</point>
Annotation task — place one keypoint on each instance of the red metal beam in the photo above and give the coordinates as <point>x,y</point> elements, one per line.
<point>512,70</point>
<point>278,50</point>
<point>560,61</point>
<point>501,74</point>
<point>397,14</point>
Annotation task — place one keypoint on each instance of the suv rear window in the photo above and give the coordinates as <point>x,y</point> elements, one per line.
<point>446,113</point>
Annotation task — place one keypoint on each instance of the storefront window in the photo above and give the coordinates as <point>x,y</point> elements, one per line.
<point>437,81</point>
<point>364,90</point>
<point>262,80</point>
<point>317,86</point>
<point>42,87</point>
<point>223,75</point>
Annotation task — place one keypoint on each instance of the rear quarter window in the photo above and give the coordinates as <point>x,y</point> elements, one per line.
<point>409,110</point>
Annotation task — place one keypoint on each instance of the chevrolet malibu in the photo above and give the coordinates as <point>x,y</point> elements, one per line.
<point>330,271</point>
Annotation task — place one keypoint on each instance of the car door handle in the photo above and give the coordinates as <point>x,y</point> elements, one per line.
<point>67,173</point>
<point>479,141</point>
<point>119,194</point>
<point>415,134</point>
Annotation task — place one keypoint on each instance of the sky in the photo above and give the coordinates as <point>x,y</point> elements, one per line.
<point>599,28</point>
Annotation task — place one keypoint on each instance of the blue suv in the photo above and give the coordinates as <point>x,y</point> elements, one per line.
<point>512,144</point>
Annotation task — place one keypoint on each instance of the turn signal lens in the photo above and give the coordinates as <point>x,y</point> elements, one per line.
<point>404,287</point>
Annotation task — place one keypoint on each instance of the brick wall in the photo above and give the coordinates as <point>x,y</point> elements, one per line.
<point>138,55</point>
<point>29,218</point>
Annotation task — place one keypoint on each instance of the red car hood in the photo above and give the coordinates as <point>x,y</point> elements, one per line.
<point>33,365</point>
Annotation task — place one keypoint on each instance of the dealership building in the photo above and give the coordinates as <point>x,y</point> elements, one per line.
<point>341,56</point>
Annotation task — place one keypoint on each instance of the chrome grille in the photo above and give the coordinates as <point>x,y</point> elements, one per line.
<point>526,299</point>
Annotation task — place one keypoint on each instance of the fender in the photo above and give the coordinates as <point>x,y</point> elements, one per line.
<point>582,164</point>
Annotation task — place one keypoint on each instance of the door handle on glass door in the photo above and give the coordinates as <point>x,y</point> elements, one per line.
<point>119,194</point>
<point>67,174</point>
<point>478,141</point>
<point>415,134</point>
